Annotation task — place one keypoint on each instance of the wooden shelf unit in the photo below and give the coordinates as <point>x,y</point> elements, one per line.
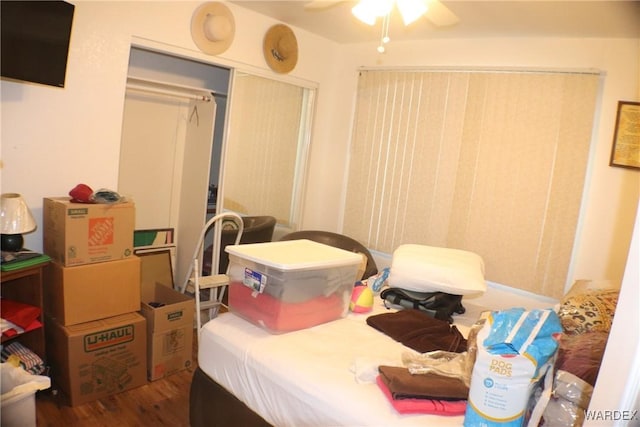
<point>25,285</point>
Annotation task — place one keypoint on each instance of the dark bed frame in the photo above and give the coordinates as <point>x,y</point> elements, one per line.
<point>211,405</point>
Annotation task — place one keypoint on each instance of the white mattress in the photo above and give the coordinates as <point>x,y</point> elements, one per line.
<point>307,377</point>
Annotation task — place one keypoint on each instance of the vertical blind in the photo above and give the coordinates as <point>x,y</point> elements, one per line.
<point>264,131</point>
<point>491,162</point>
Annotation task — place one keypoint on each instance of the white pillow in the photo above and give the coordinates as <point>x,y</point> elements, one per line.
<point>431,269</point>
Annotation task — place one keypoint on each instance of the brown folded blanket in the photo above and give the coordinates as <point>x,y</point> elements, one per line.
<point>403,385</point>
<point>419,331</point>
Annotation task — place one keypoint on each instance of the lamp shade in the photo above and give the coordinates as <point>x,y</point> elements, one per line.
<point>368,10</point>
<point>411,10</point>
<point>15,216</point>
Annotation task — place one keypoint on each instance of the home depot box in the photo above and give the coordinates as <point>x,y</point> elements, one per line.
<point>93,291</point>
<point>81,233</point>
<point>169,316</point>
<point>97,359</point>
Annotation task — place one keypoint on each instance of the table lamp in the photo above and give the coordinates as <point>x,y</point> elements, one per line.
<point>15,220</point>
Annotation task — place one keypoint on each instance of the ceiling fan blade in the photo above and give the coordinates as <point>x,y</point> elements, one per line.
<point>321,4</point>
<point>440,14</point>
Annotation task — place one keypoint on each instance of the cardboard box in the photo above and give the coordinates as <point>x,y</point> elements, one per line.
<point>98,359</point>
<point>81,233</point>
<point>89,292</point>
<point>170,326</point>
<point>169,330</point>
<point>168,251</point>
<point>156,266</point>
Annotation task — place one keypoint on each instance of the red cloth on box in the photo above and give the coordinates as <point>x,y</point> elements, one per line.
<point>279,316</point>
<point>423,406</point>
<point>18,313</point>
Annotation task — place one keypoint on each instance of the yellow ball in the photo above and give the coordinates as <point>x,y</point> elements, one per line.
<point>361,299</point>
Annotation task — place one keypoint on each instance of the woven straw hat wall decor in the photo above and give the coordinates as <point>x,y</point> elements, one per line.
<point>280,48</point>
<point>213,28</point>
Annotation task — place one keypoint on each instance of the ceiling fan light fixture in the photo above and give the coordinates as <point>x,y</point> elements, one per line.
<point>411,10</point>
<point>362,13</point>
<point>369,10</point>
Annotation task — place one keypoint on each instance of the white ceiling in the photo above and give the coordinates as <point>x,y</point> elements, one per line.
<point>478,18</point>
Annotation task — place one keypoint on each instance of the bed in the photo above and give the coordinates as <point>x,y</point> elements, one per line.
<point>320,376</point>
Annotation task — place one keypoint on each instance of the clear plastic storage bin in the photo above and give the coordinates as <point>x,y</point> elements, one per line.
<point>290,285</point>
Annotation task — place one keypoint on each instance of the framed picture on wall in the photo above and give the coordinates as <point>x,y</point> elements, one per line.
<point>625,151</point>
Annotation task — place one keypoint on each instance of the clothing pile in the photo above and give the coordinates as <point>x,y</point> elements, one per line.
<point>426,285</point>
<point>18,318</point>
<point>19,355</point>
<point>435,379</point>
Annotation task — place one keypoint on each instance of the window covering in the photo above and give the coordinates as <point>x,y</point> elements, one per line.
<point>490,162</point>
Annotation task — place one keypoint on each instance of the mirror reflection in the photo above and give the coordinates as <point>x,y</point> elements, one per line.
<point>267,140</point>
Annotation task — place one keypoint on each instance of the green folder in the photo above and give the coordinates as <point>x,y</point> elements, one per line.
<point>23,260</point>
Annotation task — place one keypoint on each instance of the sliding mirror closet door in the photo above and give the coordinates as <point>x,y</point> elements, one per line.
<point>165,156</point>
<point>269,128</point>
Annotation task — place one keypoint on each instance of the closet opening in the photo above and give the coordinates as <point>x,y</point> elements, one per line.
<point>171,148</point>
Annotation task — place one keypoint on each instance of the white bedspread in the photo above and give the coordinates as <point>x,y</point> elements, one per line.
<point>307,377</point>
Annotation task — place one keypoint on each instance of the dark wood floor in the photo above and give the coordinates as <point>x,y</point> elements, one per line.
<point>163,402</point>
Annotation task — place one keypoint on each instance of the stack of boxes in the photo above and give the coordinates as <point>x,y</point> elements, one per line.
<point>100,339</point>
<point>95,336</point>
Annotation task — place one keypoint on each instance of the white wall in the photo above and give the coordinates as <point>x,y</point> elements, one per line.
<point>54,138</point>
<point>618,384</point>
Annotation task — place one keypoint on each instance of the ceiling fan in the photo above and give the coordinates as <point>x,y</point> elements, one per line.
<point>368,11</point>
<point>436,12</point>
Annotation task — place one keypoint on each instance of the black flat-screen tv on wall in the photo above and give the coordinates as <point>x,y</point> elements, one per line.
<point>34,37</point>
